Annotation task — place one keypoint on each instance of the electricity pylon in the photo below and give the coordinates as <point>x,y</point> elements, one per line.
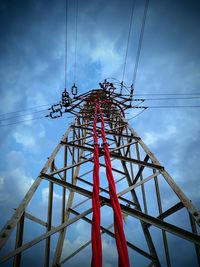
<point>152,222</point>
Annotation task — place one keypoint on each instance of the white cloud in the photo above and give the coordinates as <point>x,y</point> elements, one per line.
<point>109,58</point>
<point>109,251</point>
<point>70,246</point>
<point>23,180</point>
<point>153,137</point>
<point>15,159</point>
<point>45,194</point>
<point>7,97</point>
<point>36,99</point>
<point>1,182</point>
<point>14,183</point>
<point>170,77</point>
<point>25,139</point>
<point>29,136</point>
<point>3,193</point>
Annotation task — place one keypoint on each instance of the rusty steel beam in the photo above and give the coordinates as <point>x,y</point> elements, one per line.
<point>130,211</point>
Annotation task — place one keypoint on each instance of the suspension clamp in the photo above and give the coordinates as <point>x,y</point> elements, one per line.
<point>104,143</point>
<point>96,143</point>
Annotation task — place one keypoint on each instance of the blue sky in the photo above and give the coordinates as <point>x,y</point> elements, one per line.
<point>32,35</point>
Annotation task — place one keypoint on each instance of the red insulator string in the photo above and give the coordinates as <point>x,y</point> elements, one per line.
<point>96,234</point>
<point>123,260</point>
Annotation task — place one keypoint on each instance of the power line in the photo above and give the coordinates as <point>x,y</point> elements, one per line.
<point>22,115</point>
<point>173,98</point>
<point>66,19</point>
<point>75,49</point>
<point>140,41</point>
<point>166,94</point>
<point>27,109</point>
<point>170,106</point>
<point>137,114</point>
<point>194,96</point>
<point>38,118</point>
<point>128,39</point>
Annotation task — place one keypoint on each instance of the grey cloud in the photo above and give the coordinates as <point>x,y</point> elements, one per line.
<point>31,73</point>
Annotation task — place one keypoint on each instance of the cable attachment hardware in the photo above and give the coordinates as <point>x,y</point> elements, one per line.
<point>98,118</point>
<point>122,85</point>
<point>104,85</point>
<point>107,86</point>
<point>96,143</point>
<point>131,93</point>
<point>111,89</point>
<point>55,111</point>
<point>74,90</point>
<point>104,143</point>
<point>66,100</point>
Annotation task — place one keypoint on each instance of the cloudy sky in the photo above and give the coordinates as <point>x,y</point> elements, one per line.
<point>32,47</point>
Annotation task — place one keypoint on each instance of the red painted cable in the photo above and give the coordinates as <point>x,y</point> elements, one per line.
<point>123,260</point>
<point>96,234</point>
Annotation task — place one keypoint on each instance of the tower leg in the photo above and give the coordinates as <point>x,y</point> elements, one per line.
<point>19,241</point>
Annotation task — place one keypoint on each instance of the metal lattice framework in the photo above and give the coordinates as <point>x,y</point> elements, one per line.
<point>140,180</point>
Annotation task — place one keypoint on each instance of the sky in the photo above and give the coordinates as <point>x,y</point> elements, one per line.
<point>32,53</point>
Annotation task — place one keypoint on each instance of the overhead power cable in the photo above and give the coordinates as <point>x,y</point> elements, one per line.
<point>27,109</point>
<point>76,37</point>
<point>42,110</point>
<point>140,41</point>
<point>145,108</point>
<point>173,98</point>
<point>128,39</point>
<point>139,113</point>
<point>66,20</point>
<point>171,106</point>
<point>23,115</point>
<point>157,94</point>
<point>38,118</point>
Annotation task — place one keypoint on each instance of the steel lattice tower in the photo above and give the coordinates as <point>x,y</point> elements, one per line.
<point>140,180</point>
